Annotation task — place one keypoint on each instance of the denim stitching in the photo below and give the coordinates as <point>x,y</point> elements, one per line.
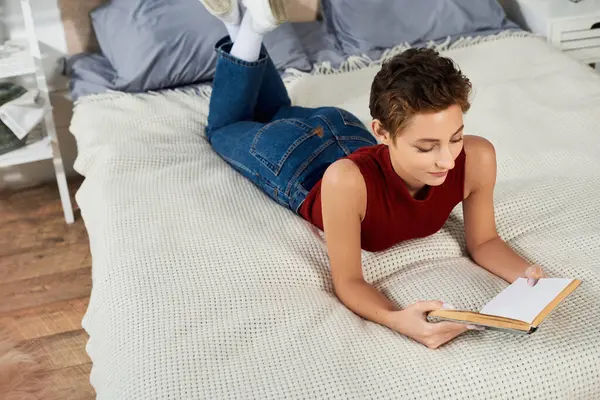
<point>357,138</point>
<point>335,133</point>
<point>237,164</point>
<point>302,189</point>
<point>303,192</point>
<point>329,125</point>
<point>304,165</point>
<point>265,182</point>
<point>276,191</point>
<point>349,123</point>
<point>345,138</point>
<point>251,64</point>
<point>277,168</point>
<point>345,149</point>
<point>266,163</point>
<point>299,141</point>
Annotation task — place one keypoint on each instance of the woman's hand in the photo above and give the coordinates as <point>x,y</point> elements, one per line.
<point>412,322</point>
<point>533,273</point>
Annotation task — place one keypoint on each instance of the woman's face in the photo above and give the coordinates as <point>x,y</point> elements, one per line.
<point>424,152</point>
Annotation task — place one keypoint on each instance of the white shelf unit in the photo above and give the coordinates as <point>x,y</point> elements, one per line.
<point>26,59</point>
<point>16,60</point>
<point>36,151</point>
<point>572,27</point>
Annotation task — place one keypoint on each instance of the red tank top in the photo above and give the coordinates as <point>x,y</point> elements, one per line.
<point>392,214</point>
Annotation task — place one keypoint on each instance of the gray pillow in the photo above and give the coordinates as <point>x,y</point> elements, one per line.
<point>385,23</point>
<point>155,44</point>
<point>89,73</point>
<point>319,45</point>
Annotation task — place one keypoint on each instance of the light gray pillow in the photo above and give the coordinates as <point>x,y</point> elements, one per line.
<point>156,44</point>
<point>319,45</point>
<point>88,73</point>
<point>360,27</point>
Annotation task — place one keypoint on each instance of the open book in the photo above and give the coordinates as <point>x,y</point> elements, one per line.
<point>519,308</point>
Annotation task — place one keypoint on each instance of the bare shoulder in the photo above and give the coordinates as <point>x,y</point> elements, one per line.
<point>344,185</point>
<point>480,163</point>
<point>479,148</point>
<point>343,172</point>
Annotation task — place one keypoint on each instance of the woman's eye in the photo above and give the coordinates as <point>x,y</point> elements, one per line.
<point>457,140</point>
<point>424,150</point>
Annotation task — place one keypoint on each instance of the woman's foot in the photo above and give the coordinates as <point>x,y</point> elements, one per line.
<point>266,14</point>
<point>227,11</point>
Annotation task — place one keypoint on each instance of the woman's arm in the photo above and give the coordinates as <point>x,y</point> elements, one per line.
<point>483,243</point>
<point>344,199</point>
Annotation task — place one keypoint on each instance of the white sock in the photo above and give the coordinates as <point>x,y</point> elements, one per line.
<point>248,42</point>
<point>233,30</point>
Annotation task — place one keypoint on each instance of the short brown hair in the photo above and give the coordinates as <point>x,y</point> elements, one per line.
<point>418,80</point>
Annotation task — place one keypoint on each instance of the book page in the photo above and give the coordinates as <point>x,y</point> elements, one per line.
<point>522,302</point>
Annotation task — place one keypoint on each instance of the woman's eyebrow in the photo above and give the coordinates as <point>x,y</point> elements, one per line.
<point>428,140</point>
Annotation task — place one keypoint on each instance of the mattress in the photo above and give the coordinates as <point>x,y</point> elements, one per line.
<point>204,288</point>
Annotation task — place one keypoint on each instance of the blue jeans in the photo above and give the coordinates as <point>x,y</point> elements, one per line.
<point>281,148</point>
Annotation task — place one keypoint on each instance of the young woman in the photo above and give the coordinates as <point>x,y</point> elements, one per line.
<point>324,165</point>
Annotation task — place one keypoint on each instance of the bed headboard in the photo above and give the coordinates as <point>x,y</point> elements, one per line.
<point>75,15</point>
<point>80,35</point>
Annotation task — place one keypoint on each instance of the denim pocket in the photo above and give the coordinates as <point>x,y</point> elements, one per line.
<point>276,141</point>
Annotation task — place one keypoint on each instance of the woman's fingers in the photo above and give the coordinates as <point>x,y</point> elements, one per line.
<point>533,273</point>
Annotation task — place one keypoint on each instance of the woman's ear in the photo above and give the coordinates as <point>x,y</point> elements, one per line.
<point>380,132</point>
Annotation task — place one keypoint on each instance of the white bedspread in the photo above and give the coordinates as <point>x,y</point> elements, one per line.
<point>203,288</point>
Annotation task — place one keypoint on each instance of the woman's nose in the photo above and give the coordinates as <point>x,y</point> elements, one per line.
<point>446,161</point>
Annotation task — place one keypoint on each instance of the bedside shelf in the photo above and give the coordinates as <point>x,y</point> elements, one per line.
<point>15,60</point>
<point>35,151</point>
<point>25,58</point>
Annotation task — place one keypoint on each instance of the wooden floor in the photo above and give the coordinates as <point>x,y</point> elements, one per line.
<point>45,283</point>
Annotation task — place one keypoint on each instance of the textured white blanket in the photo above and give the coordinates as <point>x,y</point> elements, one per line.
<point>203,288</point>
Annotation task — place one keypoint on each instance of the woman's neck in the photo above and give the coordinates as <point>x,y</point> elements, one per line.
<point>415,188</point>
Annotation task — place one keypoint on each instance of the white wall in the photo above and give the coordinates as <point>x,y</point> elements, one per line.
<point>52,41</point>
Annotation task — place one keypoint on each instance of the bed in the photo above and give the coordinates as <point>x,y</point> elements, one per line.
<point>205,288</point>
